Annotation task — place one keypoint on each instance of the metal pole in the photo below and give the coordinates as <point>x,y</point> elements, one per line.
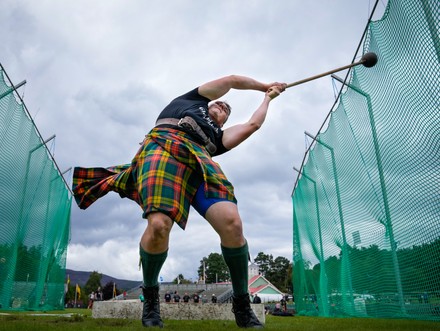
<point>341,214</point>
<point>298,271</point>
<point>323,273</point>
<point>35,127</point>
<point>388,222</point>
<point>12,89</point>
<point>19,236</point>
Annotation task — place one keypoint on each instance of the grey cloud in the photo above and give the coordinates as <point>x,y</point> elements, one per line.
<point>99,81</point>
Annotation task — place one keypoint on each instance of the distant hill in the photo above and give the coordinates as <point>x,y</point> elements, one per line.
<point>81,278</point>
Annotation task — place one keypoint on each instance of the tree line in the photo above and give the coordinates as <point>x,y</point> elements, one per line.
<point>374,270</point>
<point>278,271</point>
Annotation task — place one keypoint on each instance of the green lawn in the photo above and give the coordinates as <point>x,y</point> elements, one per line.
<point>82,320</point>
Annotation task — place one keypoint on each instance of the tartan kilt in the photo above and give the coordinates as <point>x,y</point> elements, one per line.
<point>163,176</point>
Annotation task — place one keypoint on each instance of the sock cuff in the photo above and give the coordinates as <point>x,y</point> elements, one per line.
<point>236,251</point>
<point>152,257</point>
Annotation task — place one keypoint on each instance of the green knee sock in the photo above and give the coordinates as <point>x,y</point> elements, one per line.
<point>237,261</point>
<point>151,266</point>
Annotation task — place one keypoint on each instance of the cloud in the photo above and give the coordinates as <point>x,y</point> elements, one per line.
<point>117,258</point>
<point>98,77</point>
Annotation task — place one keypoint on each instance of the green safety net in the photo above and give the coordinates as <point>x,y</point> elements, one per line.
<point>366,204</point>
<point>35,205</point>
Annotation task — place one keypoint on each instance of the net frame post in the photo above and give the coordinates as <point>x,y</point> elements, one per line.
<point>341,214</point>
<point>323,274</point>
<point>388,221</point>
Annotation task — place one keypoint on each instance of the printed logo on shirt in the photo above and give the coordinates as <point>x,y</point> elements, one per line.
<point>208,119</point>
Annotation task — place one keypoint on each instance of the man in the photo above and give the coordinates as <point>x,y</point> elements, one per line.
<point>283,303</point>
<point>186,298</point>
<point>174,169</point>
<point>257,299</point>
<point>176,297</point>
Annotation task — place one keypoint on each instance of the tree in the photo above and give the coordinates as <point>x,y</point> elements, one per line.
<point>109,289</point>
<point>70,294</point>
<point>264,262</point>
<point>289,279</point>
<point>216,269</point>
<point>278,271</point>
<point>180,279</point>
<point>92,283</point>
<point>28,259</point>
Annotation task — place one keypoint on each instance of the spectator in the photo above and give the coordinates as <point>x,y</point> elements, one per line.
<point>168,297</point>
<point>98,294</point>
<point>91,299</point>
<point>186,298</point>
<point>283,303</point>
<point>196,298</point>
<point>214,298</point>
<point>176,297</point>
<point>257,299</point>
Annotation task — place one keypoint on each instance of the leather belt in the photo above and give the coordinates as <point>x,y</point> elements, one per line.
<point>172,121</point>
<point>190,124</point>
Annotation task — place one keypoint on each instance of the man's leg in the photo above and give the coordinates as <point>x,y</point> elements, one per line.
<point>224,218</point>
<point>237,261</point>
<point>153,253</point>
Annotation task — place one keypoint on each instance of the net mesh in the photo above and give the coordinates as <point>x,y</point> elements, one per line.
<point>366,203</point>
<point>34,213</point>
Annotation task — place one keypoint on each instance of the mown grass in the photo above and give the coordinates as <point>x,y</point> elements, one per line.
<point>81,320</point>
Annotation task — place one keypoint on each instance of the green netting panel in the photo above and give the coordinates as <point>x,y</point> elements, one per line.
<point>34,214</point>
<point>367,202</point>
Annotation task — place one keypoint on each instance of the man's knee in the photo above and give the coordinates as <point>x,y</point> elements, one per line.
<point>231,225</point>
<point>231,233</point>
<point>159,225</point>
<point>234,225</point>
<point>224,218</point>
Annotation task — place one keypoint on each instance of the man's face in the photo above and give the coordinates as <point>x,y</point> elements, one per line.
<point>219,113</point>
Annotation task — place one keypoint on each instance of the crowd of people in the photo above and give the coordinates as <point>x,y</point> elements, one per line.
<point>171,297</point>
<point>174,297</point>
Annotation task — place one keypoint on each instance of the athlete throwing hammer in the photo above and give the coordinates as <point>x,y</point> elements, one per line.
<point>173,170</point>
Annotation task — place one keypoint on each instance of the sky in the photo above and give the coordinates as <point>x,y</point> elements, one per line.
<point>99,72</point>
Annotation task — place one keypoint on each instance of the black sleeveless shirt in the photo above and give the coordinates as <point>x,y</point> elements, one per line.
<point>196,106</point>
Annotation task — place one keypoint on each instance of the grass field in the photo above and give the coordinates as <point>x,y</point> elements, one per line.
<point>81,320</point>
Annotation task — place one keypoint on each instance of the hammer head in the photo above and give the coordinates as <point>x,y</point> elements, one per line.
<point>369,59</point>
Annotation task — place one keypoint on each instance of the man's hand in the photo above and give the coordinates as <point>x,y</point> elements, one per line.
<point>236,134</point>
<point>275,90</point>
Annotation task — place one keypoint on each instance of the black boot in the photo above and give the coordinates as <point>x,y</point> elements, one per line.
<point>151,310</point>
<point>244,316</point>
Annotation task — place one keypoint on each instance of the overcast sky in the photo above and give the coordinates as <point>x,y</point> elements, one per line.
<point>99,72</point>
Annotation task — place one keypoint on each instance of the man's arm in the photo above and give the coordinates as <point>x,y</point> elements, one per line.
<point>219,87</point>
<point>235,135</point>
